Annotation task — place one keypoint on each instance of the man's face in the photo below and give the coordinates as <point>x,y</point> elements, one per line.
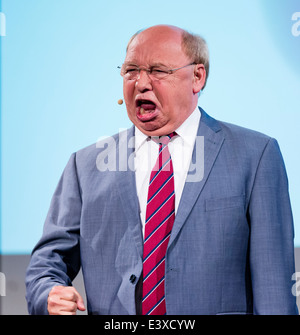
<point>158,107</point>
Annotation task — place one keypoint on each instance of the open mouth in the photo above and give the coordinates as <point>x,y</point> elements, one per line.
<point>146,109</point>
<point>145,106</point>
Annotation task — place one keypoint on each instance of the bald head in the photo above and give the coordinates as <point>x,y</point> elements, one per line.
<point>158,29</point>
<point>165,30</point>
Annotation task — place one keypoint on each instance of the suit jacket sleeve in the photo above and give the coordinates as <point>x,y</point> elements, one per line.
<point>272,234</point>
<point>56,258</point>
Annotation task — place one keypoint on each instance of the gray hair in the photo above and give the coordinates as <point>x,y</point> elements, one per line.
<point>195,47</point>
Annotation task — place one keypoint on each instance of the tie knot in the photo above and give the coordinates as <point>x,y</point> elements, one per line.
<point>164,140</point>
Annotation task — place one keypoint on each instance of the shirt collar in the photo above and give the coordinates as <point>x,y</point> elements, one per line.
<point>188,129</point>
<point>140,138</point>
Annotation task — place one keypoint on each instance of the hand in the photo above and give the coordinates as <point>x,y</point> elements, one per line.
<point>64,300</point>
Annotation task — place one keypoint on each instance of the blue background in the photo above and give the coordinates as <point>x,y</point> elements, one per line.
<point>60,86</point>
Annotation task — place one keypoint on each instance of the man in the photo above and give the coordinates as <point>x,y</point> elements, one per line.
<point>208,233</point>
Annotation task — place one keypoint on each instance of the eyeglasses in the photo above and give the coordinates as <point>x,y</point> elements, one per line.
<point>131,72</point>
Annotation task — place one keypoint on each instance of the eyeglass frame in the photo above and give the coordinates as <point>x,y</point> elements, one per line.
<point>148,70</point>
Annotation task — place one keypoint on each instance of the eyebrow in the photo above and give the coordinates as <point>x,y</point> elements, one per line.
<point>129,64</point>
<point>159,64</point>
<point>153,65</point>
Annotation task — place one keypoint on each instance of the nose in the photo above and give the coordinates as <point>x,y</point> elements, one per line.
<point>143,82</point>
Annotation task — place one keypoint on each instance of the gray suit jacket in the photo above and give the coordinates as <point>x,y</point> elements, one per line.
<point>231,248</point>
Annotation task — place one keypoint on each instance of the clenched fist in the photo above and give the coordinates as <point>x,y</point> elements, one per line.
<point>64,300</point>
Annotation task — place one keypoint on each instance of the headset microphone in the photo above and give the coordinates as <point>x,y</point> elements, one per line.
<point>120,101</point>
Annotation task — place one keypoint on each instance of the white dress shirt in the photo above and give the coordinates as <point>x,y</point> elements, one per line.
<point>181,149</point>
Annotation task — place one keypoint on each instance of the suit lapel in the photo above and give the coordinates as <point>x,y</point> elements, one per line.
<point>213,140</point>
<point>127,186</point>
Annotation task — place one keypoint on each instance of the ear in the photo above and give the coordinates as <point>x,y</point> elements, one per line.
<point>199,78</point>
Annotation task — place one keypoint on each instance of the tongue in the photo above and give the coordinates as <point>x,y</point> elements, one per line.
<point>148,106</point>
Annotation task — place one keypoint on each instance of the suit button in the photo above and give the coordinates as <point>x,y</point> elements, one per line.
<point>132,279</point>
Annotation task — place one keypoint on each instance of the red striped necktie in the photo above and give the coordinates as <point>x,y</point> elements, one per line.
<point>160,216</point>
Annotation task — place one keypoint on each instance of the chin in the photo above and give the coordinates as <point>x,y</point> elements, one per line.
<point>152,130</point>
